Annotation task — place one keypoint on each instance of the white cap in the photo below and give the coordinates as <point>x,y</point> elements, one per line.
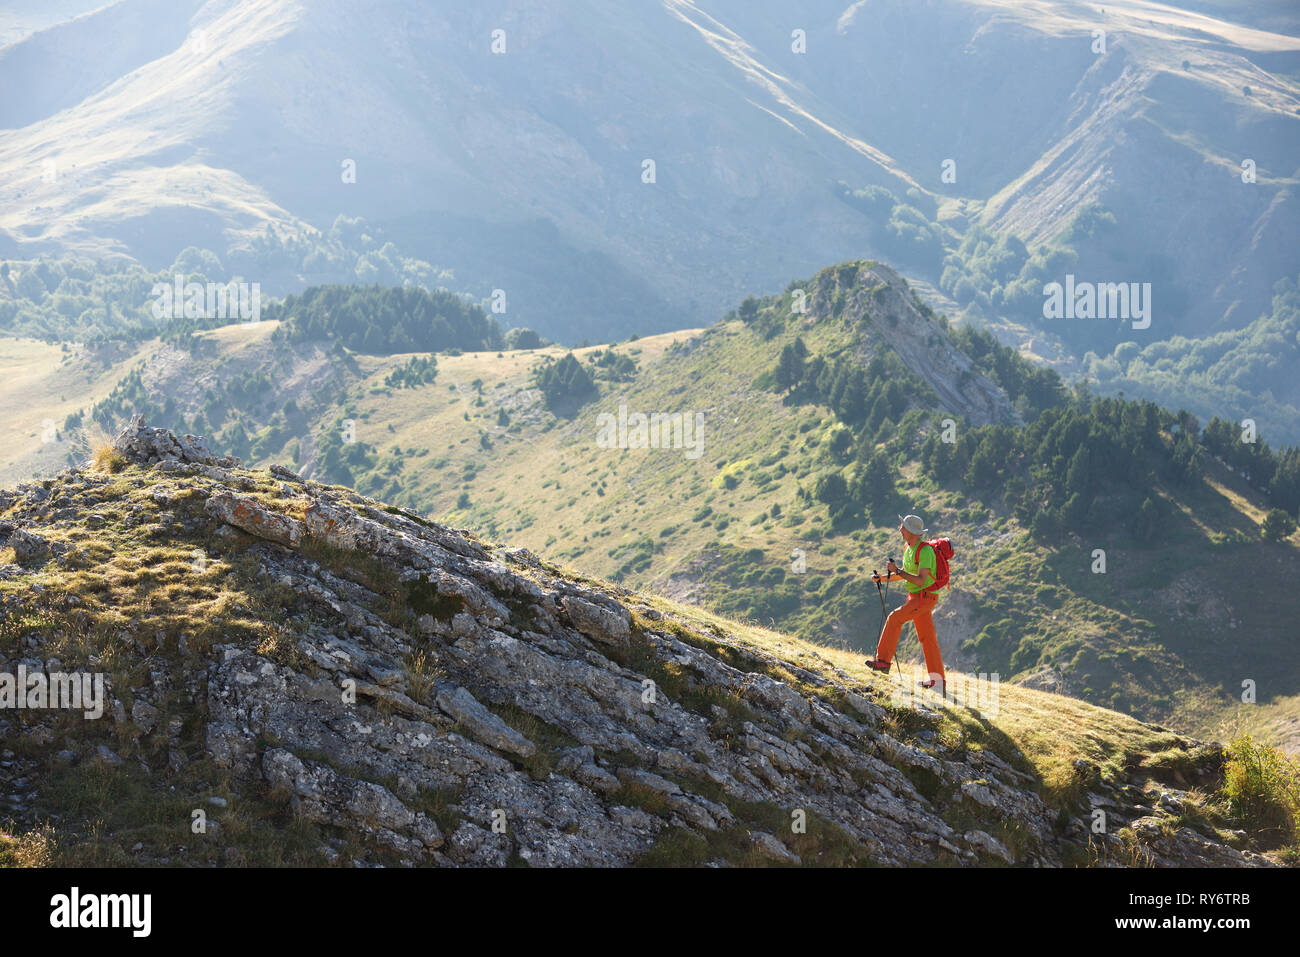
<point>913,524</point>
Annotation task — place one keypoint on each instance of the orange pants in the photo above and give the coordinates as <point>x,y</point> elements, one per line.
<point>917,610</point>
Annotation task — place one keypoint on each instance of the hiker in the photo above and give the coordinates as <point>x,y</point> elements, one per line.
<point>919,574</point>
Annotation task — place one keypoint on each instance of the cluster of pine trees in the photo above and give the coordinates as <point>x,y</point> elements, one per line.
<point>862,397</point>
<point>613,366</point>
<point>341,461</point>
<point>417,371</point>
<point>1030,387</point>
<point>566,384</point>
<point>868,484</point>
<point>869,401</point>
<point>1082,466</point>
<point>1036,389</point>
<point>379,321</point>
<point>1080,463</point>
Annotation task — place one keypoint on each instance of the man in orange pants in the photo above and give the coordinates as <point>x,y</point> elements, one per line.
<point>918,574</point>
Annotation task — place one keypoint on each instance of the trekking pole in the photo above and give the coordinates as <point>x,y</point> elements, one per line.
<point>893,660</point>
<point>875,576</point>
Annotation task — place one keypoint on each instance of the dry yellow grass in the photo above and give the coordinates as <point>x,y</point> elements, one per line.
<point>34,848</point>
<point>1238,501</point>
<point>107,459</point>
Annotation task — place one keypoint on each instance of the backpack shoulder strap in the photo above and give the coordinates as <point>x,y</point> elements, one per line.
<point>916,553</point>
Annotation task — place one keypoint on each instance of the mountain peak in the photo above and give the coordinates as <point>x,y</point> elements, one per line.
<point>892,316</point>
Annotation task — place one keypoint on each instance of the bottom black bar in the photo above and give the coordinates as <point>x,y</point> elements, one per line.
<point>333,907</point>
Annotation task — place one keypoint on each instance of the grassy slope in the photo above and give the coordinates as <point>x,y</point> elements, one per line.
<point>39,383</point>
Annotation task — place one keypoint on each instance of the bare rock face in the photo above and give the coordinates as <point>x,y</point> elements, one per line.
<point>145,445</point>
<point>321,794</point>
<point>248,515</point>
<point>601,624</point>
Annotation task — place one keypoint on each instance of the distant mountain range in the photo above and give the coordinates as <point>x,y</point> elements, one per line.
<point>147,126</point>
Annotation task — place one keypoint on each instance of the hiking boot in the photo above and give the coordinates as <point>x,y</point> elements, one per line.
<point>877,665</point>
<point>931,683</point>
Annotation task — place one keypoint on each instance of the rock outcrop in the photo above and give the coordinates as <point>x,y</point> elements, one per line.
<point>440,700</point>
<point>144,445</point>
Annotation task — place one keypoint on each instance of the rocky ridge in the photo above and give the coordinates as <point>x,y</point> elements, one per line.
<point>911,330</point>
<point>420,696</point>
